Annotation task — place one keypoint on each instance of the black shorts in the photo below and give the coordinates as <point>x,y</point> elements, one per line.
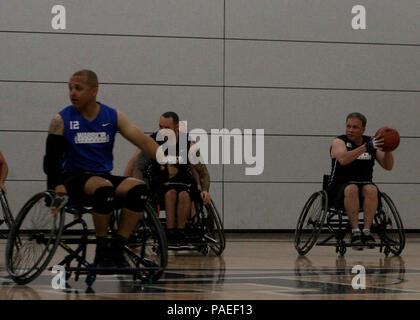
<point>336,193</point>
<point>179,183</point>
<point>75,185</point>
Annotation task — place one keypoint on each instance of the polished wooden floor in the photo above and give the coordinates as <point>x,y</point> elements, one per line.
<point>253,267</point>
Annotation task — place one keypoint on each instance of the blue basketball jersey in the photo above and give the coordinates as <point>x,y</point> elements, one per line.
<point>89,143</point>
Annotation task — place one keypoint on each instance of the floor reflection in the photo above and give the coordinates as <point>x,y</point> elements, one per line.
<point>384,275</point>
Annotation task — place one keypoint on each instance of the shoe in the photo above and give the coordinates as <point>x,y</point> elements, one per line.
<point>356,241</point>
<point>120,261</point>
<point>117,252</point>
<point>180,236</point>
<point>102,256</point>
<point>171,236</point>
<point>191,235</point>
<point>368,239</point>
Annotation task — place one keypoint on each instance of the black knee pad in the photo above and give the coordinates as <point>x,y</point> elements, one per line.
<point>103,200</point>
<point>136,198</point>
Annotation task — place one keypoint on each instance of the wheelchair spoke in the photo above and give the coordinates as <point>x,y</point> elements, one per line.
<point>310,222</point>
<point>389,225</point>
<point>33,239</point>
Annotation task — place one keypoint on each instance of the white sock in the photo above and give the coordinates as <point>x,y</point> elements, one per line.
<point>355,230</point>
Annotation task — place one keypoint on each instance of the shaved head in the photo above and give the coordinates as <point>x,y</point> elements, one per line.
<point>91,77</point>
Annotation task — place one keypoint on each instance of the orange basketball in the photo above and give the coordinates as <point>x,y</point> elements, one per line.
<point>391,138</point>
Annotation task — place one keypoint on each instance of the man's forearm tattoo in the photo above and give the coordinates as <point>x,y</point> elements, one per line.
<point>204,176</point>
<point>56,126</point>
<point>142,162</point>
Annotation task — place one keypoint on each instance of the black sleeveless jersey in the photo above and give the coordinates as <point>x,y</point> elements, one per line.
<point>155,173</point>
<point>359,170</point>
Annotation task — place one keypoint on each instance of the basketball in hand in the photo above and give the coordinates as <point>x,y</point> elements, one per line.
<point>391,138</point>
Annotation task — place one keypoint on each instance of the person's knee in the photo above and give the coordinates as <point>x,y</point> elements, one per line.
<point>136,198</point>
<point>370,191</point>
<point>171,195</point>
<point>184,197</point>
<point>351,192</point>
<point>103,200</point>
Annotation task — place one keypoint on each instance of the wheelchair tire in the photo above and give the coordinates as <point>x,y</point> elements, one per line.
<point>33,238</point>
<point>7,215</point>
<point>148,246</point>
<point>213,229</point>
<point>311,221</point>
<point>389,225</point>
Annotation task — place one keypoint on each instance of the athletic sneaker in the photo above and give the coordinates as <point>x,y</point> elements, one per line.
<point>171,236</point>
<point>356,240</point>
<point>117,252</point>
<point>368,239</point>
<point>102,254</point>
<point>180,236</point>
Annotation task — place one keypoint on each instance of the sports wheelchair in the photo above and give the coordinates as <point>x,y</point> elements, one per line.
<point>320,217</point>
<point>36,235</point>
<point>204,229</point>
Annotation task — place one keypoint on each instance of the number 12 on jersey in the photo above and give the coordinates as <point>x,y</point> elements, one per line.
<point>74,125</point>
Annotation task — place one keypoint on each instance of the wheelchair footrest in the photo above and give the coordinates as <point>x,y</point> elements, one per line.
<point>186,245</point>
<point>376,244</point>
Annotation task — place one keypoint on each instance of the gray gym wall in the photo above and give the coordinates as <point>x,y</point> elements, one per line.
<point>294,68</point>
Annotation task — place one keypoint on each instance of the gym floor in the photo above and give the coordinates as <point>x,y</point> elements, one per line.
<point>252,267</point>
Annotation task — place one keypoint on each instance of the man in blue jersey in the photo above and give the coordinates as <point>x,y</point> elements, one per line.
<point>176,183</point>
<point>353,156</point>
<point>79,159</point>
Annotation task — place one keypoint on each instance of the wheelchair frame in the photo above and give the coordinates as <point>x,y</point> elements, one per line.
<point>207,229</point>
<point>317,217</point>
<point>148,235</point>
<point>7,214</point>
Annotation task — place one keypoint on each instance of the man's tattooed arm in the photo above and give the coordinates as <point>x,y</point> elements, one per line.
<point>204,176</point>
<point>142,162</point>
<point>57,126</point>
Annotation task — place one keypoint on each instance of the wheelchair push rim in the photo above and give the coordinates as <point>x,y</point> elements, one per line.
<point>214,232</point>
<point>33,238</point>
<point>148,247</point>
<point>389,225</point>
<point>310,222</point>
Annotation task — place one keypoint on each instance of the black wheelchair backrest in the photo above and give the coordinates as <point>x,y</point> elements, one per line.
<point>325,180</point>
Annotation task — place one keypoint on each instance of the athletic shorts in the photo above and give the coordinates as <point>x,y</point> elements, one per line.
<point>75,185</point>
<point>178,183</point>
<point>336,193</point>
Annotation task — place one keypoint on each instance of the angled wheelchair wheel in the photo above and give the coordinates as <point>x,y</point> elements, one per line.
<point>7,214</point>
<point>389,225</point>
<point>311,221</point>
<point>213,229</point>
<point>33,238</point>
<point>148,247</point>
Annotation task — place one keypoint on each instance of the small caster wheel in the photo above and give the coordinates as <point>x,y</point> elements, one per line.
<point>204,250</point>
<point>342,251</point>
<point>90,279</point>
<point>387,250</point>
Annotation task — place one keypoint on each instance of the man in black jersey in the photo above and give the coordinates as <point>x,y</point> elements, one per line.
<point>350,186</point>
<point>175,183</point>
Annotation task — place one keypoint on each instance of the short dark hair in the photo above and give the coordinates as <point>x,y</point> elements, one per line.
<point>171,114</point>
<point>359,116</point>
<point>92,78</point>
